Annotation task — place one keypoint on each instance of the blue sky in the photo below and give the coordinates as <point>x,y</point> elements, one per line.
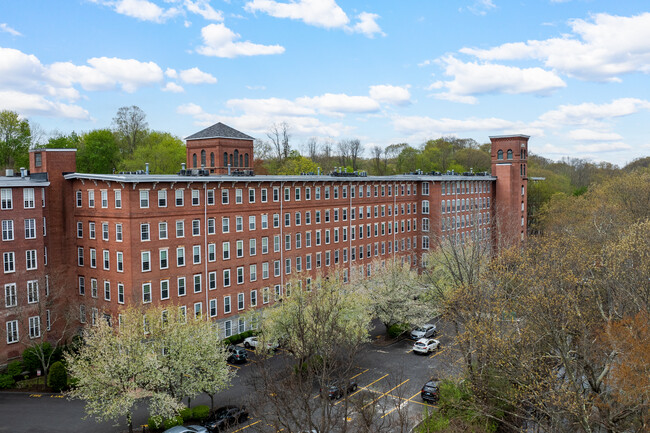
<point>572,74</point>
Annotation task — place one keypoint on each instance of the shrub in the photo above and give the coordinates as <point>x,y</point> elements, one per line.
<point>186,414</point>
<point>171,422</point>
<point>6,381</point>
<point>155,422</point>
<point>57,378</point>
<point>15,368</point>
<point>200,412</point>
<point>397,329</point>
<point>31,360</point>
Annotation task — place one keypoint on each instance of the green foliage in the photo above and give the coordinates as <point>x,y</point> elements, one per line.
<point>186,414</point>
<point>57,378</point>
<point>155,422</point>
<point>15,138</point>
<point>200,412</point>
<point>72,141</point>
<point>397,329</point>
<point>312,365</point>
<point>238,338</point>
<point>164,152</point>
<point>31,358</point>
<point>99,152</point>
<point>15,368</point>
<point>6,381</point>
<point>171,422</point>
<point>296,164</point>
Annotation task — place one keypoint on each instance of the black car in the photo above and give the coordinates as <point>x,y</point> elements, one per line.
<point>430,391</point>
<point>237,355</point>
<point>225,417</point>
<point>337,390</point>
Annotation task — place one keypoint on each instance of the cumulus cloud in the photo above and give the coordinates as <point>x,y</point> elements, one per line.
<point>591,135</point>
<point>588,112</point>
<point>220,41</point>
<point>274,106</point>
<point>602,147</point>
<point>473,78</point>
<point>143,10</point>
<point>173,87</point>
<point>171,73</point>
<point>4,27</point>
<point>600,49</point>
<point>197,76</point>
<point>444,126</point>
<point>481,7</point>
<point>34,104</point>
<point>396,95</point>
<point>203,8</point>
<point>332,104</point>
<point>319,13</point>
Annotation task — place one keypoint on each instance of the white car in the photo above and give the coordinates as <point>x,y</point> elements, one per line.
<point>254,342</point>
<point>426,345</point>
<point>424,331</point>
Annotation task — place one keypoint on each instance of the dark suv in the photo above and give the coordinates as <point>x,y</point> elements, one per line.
<point>237,355</point>
<point>337,390</point>
<point>430,391</point>
<point>226,417</point>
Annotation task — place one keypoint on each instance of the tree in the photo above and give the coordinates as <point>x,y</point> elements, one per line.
<point>296,164</point>
<point>15,138</point>
<point>62,141</point>
<point>279,135</point>
<point>164,152</point>
<point>99,152</point>
<point>131,127</point>
<point>396,294</point>
<point>157,354</point>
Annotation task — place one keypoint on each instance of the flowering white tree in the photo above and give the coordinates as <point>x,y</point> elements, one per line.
<point>157,353</point>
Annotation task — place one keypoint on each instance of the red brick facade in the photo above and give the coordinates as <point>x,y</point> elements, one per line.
<point>220,245</point>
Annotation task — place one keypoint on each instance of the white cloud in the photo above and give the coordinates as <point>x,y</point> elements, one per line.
<point>32,104</point>
<point>367,25</point>
<point>196,76</point>
<point>588,112</point>
<point>219,41</point>
<point>4,27</point>
<point>203,8</point>
<point>274,106</point>
<point>171,73</point>
<point>319,13</point>
<point>397,95</point>
<point>479,78</point>
<point>173,87</point>
<point>332,104</point>
<point>436,127</point>
<point>602,147</point>
<point>481,7</point>
<point>591,135</point>
<point>143,10</point>
<point>600,49</point>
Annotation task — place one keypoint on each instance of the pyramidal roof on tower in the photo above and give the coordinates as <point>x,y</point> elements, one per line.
<point>219,130</point>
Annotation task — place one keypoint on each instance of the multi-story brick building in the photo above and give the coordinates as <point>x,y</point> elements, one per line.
<point>219,244</point>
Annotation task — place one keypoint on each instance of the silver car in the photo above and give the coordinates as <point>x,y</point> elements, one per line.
<point>187,429</point>
<point>424,331</point>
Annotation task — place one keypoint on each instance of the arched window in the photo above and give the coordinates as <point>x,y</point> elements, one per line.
<point>522,154</point>
<point>500,154</point>
<point>225,159</point>
<point>211,159</point>
<point>246,160</point>
<point>241,160</point>
<point>203,158</point>
<point>236,158</point>
<point>231,159</point>
<point>509,154</point>
<point>194,160</point>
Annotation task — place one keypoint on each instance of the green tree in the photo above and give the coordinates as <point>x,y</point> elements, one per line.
<point>99,152</point>
<point>130,127</point>
<point>158,355</point>
<point>15,138</point>
<point>61,141</point>
<point>296,164</point>
<point>164,152</point>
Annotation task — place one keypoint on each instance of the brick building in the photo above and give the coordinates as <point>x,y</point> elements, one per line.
<point>218,244</point>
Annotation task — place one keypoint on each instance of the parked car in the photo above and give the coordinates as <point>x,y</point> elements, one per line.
<point>424,331</point>
<point>254,342</point>
<point>237,355</point>
<point>187,429</point>
<point>430,391</point>
<point>225,417</point>
<point>338,390</point>
<point>426,345</point>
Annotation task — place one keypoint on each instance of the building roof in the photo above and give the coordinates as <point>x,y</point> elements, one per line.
<point>27,181</point>
<point>219,130</point>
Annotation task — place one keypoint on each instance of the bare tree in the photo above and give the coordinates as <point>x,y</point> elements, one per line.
<point>279,135</point>
<point>356,150</point>
<point>312,148</point>
<point>344,152</point>
<point>131,126</point>
<point>376,159</point>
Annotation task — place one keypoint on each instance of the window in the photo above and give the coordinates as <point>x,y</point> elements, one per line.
<point>91,230</point>
<point>297,193</point>
<point>239,224</point>
<point>252,272</point>
<point>107,290</point>
<point>6,198</point>
<point>145,258</point>
<point>212,252</point>
<point>276,220</point>
<point>30,228</point>
<point>164,289</point>
<point>240,301</point>
<point>107,260</point>
<point>252,247</point>
<point>162,198</point>
<point>265,221</point>
<point>28,198</point>
<point>146,293</point>
<point>251,195</point>
<point>196,227</point>
<point>307,193</point>
<point>78,196</point>
<point>265,295</point>
<point>226,304</point>
<point>239,198</point>
<point>239,248</point>
<point>225,247</point>
<point>196,197</point>
<point>32,291</point>
<point>253,298</point>
<point>212,280</point>
<point>180,229</point>
<point>180,282</point>
<point>212,226</point>
<point>198,307</point>
<point>500,154</point>
<point>144,199</point>
<point>264,194</point>
<point>163,258</point>
<point>11,297</point>
<point>12,331</point>
<point>196,254</point>
<point>227,328</point>
<point>34,327</point>
<point>8,230</point>
<point>251,222</point>
<point>240,275</point>
<point>276,268</point>
<point>105,231</point>
<point>120,262</point>
<point>213,307</point>
<point>225,225</point>
<point>210,197</point>
<point>509,154</point>
<point>93,258</point>
<point>226,277</point>
<point>317,193</point>
<point>162,230</point>
<point>118,198</point>
<point>178,195</point>
<point>265,270</point>
<point>197,283</point>
<point>225,196</point>
<point>144,232</point>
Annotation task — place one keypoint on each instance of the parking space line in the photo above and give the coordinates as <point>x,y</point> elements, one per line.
<point>437,353</point>
<point>362,388</point>
<point>249,425</point>
<point>384,394</point>
<point>359,374</point>
<point>234,366</point>
<point>372,383</point>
